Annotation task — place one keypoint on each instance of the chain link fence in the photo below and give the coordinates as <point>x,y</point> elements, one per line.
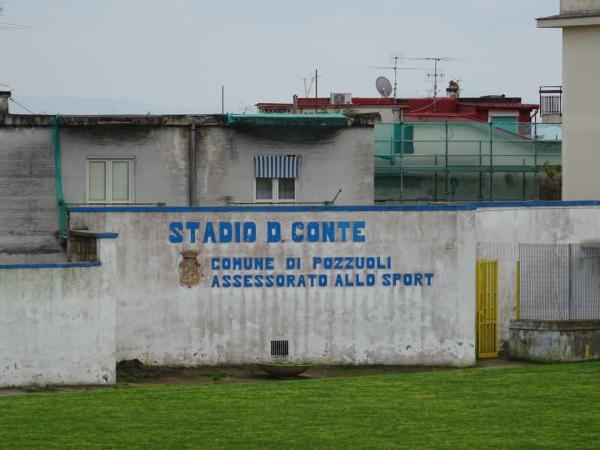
<point>560,281</point>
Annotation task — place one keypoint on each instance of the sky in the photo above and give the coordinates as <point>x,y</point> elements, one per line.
<point>174,55</point>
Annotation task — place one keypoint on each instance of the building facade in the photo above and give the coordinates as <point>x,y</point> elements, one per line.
<point>451,148</point>
<point>169,160</point>
<point>580,24</point>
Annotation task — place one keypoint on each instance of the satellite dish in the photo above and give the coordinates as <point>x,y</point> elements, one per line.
<point>384,87</point>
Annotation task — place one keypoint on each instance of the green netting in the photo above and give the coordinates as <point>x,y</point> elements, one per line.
<point>439,161</point>
<point>60,199</point>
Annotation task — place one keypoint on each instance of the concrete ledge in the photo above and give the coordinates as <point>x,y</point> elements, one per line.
<point>331,208</point>
<point>586,18</point>
<point>554,341</point>
<point>555,325</point>
<point>50,265</point>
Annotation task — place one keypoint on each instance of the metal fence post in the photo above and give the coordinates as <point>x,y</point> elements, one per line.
<point>435,180</point>
<point>518,292</point>
<point>447,169</point>
<point>480,174</point>
<point>570,282</point>
<point>524,179</point>
<point>491,162</point>
<point>401,162</point>
<point>535,163</point>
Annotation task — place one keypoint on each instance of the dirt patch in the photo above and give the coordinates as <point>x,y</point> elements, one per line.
<point>135,373</point>
<point>10,392</point>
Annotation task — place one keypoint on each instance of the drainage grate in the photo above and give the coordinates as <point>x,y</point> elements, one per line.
<point>279,348</point>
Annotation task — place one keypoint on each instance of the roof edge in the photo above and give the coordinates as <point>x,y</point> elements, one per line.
<point>583,18</point>
<point>46,120</point>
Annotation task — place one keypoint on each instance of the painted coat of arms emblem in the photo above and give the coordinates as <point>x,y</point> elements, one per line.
<point>189,269</point>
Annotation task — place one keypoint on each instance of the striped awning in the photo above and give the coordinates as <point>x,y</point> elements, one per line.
<point>276,166</point>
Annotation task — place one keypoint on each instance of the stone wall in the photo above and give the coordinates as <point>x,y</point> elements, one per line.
<point>555,341</point>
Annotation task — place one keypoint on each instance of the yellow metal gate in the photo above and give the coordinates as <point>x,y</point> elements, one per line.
<point>487,309</point>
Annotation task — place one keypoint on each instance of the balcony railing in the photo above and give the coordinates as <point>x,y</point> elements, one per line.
<point>550,101</point>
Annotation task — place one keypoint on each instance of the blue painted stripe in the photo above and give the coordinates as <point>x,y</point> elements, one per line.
<point>547,204</point>
<point>182,209</point>
<point>49,265</point>
<point>308,208</point>
<point>106,235</point>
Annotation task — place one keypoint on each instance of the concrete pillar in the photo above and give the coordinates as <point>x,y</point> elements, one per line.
<point>4,96</point>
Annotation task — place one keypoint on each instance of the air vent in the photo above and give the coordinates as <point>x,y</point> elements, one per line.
<point>279,348</point>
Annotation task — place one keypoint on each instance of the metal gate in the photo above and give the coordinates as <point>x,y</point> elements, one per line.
<point>487,309</point>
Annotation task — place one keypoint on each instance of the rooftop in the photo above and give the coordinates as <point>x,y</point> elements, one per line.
<point>46,120</point>
<point>467,108</point>
<point>573,13</point>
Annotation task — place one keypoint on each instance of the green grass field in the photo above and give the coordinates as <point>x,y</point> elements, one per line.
<point>532,407</point>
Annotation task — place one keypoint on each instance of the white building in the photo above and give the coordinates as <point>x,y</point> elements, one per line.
<point>580,22</point>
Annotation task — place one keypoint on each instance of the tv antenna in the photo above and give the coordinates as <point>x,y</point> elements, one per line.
<point>309,82</point>
<point>243,106</point>
<point>436,75</point>
<point>396,67</point>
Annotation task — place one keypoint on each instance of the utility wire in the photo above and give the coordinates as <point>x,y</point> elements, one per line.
<point>22,106</point>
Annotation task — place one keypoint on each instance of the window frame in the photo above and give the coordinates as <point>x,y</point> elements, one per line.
<point>108,180</point>
<point>275,192</point>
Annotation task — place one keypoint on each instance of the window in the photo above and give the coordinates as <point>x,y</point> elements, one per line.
<point>276,190</point>
<point>276,178</point>
<point>508,121</point>
<point>109,180</point>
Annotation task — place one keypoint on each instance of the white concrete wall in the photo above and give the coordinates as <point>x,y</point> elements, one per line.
<point>581,114</point>
<point>543,225</point>
<point>331,159</point>
<point>160,160</point>
<point>62,325</point>
<point>57,325</point>
<point>161,322</point>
